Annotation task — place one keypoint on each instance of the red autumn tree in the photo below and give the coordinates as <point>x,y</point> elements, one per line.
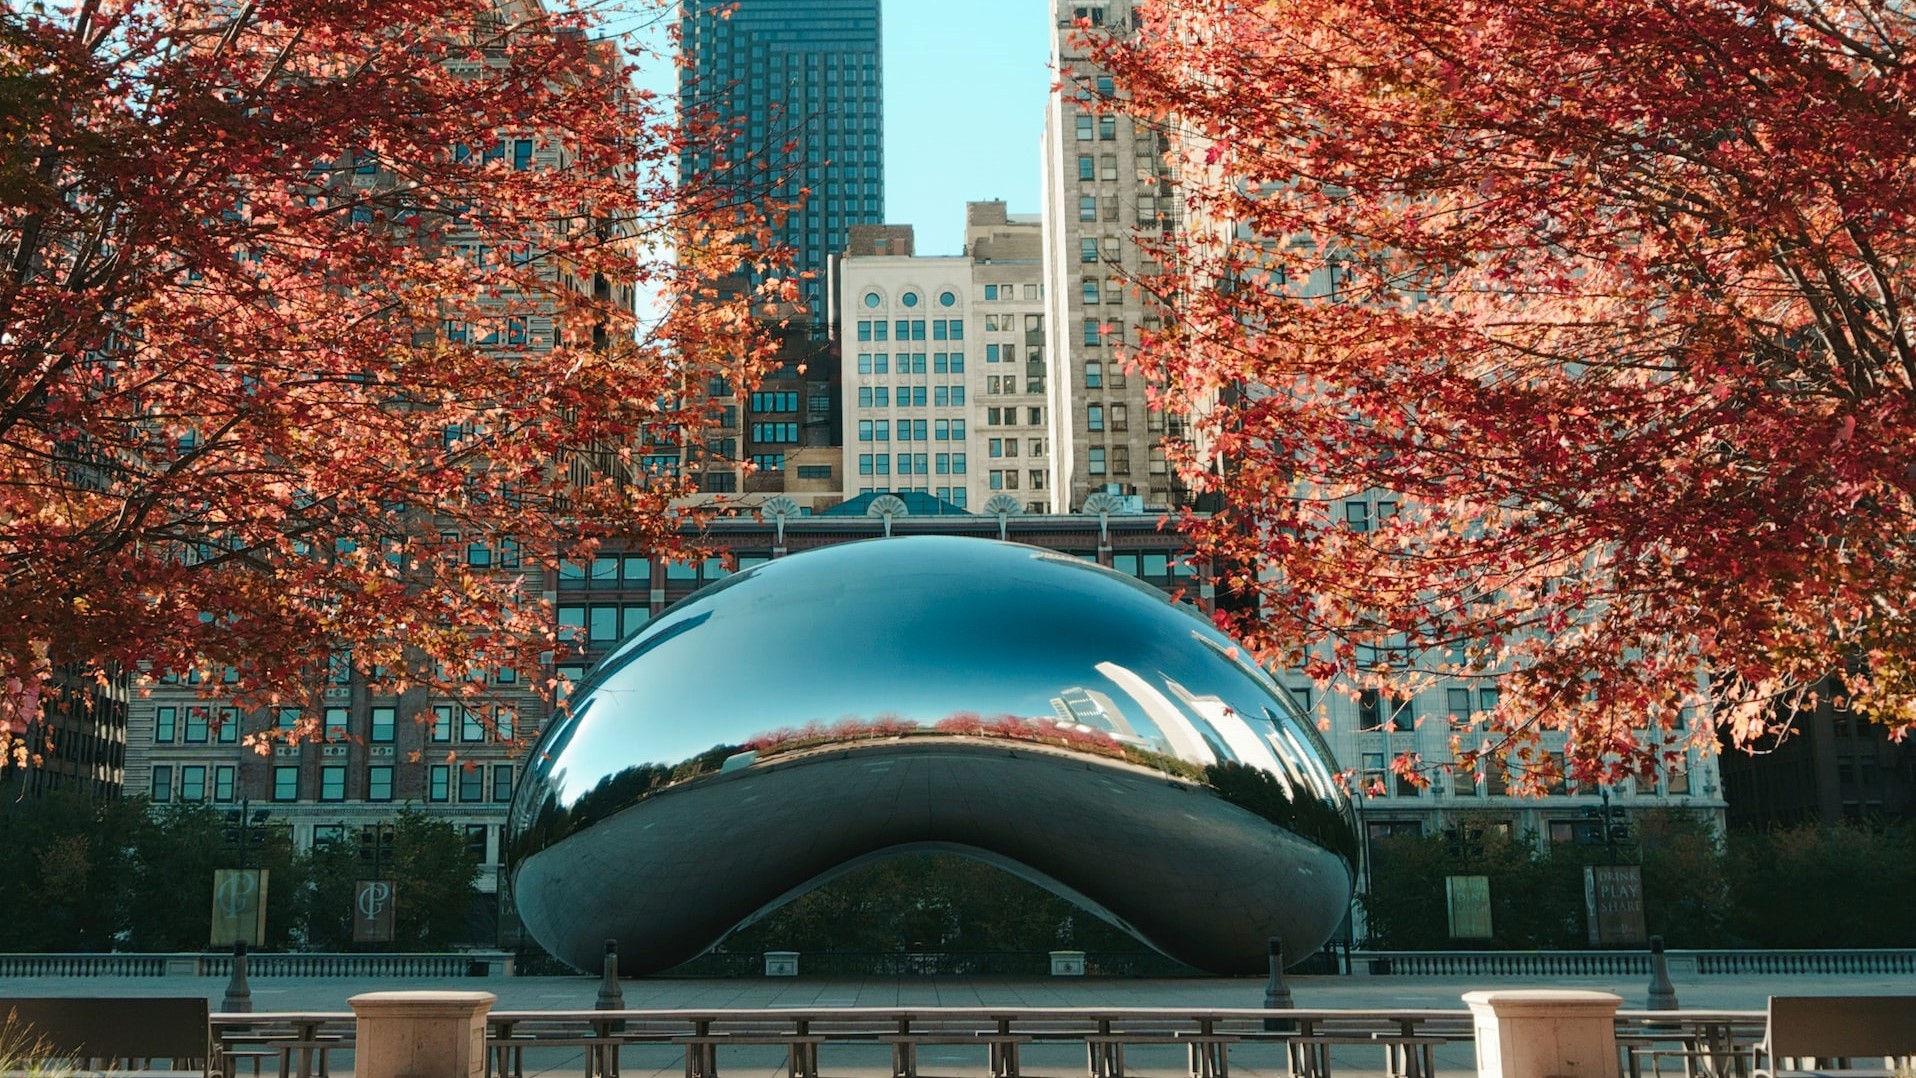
<point>1559,343</point>
<point>303,301</point>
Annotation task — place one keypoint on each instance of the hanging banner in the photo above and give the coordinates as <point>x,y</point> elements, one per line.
<point>373,920</point>
<point>1468,900</point>
<point>1613,903</point>
<point>239,906</point>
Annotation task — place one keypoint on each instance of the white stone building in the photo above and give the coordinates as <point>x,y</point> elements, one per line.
<point>944,370</point>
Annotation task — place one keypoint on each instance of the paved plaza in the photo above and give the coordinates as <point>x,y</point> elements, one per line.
<point>871,1061</point>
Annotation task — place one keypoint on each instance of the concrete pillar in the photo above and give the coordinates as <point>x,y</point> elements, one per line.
<point>420,1034</point>
<point>1545,1033</point>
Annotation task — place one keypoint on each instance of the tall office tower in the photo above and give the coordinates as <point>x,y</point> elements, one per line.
<point>1106,181</point>
<point>799,83</point>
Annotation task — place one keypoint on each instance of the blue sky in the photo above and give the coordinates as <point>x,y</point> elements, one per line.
<point>965,86</point>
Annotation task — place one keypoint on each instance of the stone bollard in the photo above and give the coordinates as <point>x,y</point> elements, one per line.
<point>1662,996</point>
<point>611,996</point>
<point>239,995</point>
<point>420,1034</point>
<point>1277,994</point>
<point>1545,1033</point>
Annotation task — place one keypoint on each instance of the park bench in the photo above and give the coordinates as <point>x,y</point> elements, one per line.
<point>701,1051</point>
<point>98,1036</point>
<point>1809,1036</point>
<point>1001,1049</point>
<point>1405,1055</point>
<point>1209,1052</point>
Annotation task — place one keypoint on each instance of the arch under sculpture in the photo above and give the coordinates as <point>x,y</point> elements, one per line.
<point>1024,707</point>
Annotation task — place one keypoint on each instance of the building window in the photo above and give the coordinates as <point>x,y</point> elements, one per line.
<point>161,790</point>
<point>439,782</point>
<point>382,724</point>
<point>286,784</point>
<point>502,782</point>
<point>1087,207</point>
<point>1457,706</point>
<point>196,721</point>
<point>1093,333</point>
<point>379,783</point>
<point>164,723</point>
<point>1094,417</point>
<point>193,782</point>
<point>1084,126</point>
<point>472,784</point>
<point>441,722</point>
<point>470,726</point>
<point>223,783</point>
<point>332,783</point>
<point>1096,465</point>
<point>1107,128</point>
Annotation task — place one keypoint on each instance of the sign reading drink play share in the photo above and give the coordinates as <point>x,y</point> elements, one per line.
<point>1613,901</point>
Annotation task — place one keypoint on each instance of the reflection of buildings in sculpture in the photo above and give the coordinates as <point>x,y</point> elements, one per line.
<point>614,818</point>
<point>1180,737</point>
<point>1091,709</point>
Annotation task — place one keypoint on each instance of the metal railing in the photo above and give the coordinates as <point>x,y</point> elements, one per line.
<point>938,963</point>
<point>1309,1043</point>
<point>286,964</point>
<point>85,965</point>
<point>1804,962</point>
<point>1704,963</point>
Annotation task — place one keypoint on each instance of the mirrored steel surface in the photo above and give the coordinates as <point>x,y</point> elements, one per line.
<point>1007,702</point>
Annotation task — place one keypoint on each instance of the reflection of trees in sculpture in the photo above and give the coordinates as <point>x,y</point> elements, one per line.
<point>1258,791</point>
<point>1241,784</point>
<point>615,792</point>
<point>970,724</point>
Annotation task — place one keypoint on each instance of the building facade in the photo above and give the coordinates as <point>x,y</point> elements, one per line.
<point>1830,764</point>
<point>1107,181</point>
<point>944,373</point>
<point>798,83</point>
<point>78,743</point>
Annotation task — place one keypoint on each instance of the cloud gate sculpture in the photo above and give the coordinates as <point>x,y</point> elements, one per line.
<point>1023,707</point>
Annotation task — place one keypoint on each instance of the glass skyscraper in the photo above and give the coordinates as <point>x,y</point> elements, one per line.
<point>799,83</point>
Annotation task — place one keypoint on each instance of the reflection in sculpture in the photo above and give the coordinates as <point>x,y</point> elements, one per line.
<point>1015,705</point>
